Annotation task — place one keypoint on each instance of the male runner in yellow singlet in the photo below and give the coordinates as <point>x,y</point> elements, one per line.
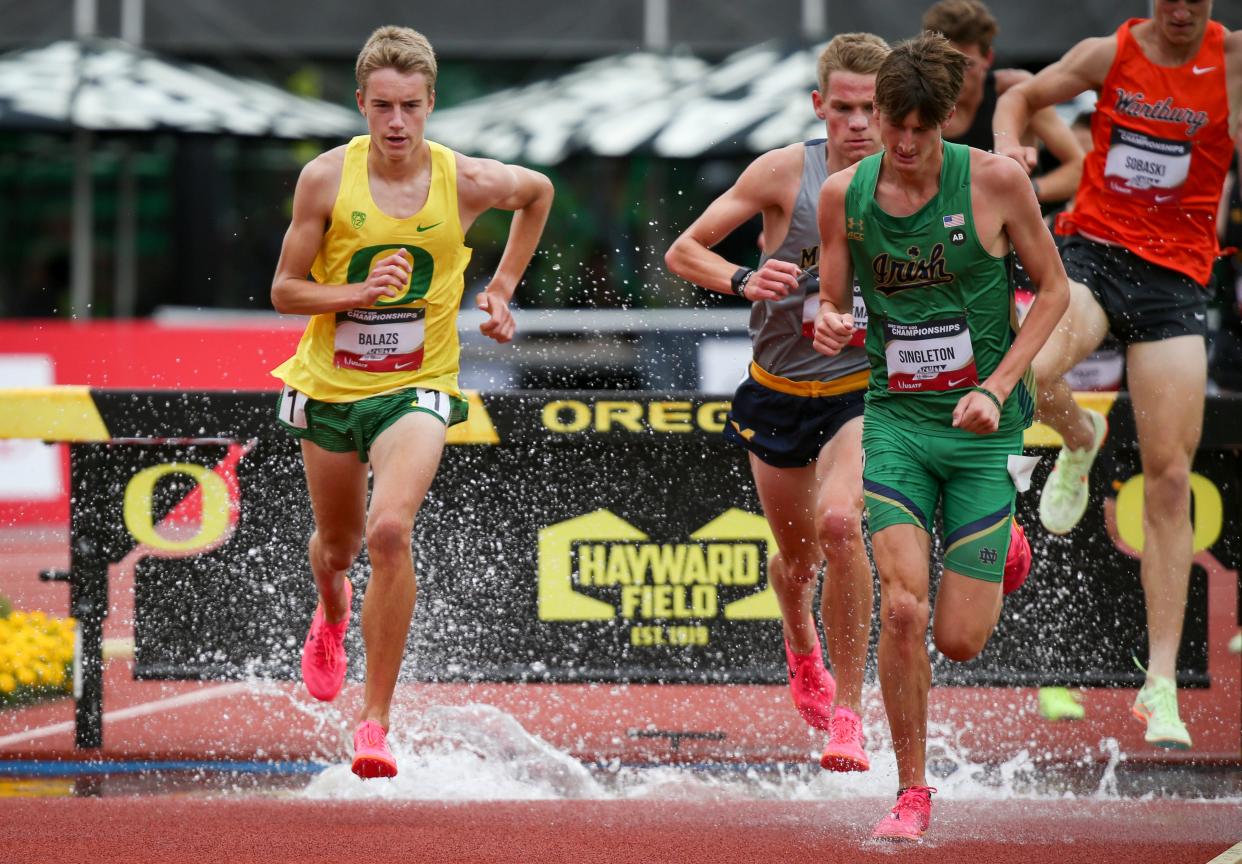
<point>375,254</point>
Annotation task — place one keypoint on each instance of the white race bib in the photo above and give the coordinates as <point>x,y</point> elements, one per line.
<point>1151,167</point>
<point>810,308</point>
<point>379,340</point>
<point>930,356</point>
<point>292,407</point>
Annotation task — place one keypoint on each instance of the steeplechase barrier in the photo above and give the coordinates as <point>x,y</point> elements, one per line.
<point>569,537</point>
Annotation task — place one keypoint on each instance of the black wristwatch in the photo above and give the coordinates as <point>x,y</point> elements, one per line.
<point>739,279</point>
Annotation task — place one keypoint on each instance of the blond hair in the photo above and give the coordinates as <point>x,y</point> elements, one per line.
<point>397,48</point>
<point>922,74</point>
<point>860,53</point>
<point>966,22</point>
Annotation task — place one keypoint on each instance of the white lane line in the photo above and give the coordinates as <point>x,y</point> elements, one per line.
<point>1231,855</point>
<point>140,710</point>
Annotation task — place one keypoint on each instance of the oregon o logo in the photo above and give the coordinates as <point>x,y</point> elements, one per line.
<point>1206,507</point>
<point>566,415</point>
<point>140,521</point>
<point>421,271</point>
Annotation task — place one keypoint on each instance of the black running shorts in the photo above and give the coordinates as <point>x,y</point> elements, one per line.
<point>787,431</point>
<point>1143,301</point>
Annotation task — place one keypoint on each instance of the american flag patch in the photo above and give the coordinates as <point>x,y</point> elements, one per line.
<point>957,220</point>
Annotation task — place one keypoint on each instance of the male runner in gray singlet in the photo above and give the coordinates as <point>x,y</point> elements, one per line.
<point>798,412</point>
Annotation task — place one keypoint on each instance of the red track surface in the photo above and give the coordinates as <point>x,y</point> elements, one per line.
<point>756,723</point>
<point>191,830</point>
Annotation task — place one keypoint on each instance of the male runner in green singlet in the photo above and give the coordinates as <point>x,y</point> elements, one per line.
<point>798,412</point>
<point>926,227</point>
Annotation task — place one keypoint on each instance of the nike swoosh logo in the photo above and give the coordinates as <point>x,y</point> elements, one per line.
<point>402,365</point>
<point>1201,71</point>
<point>958,381</point>
<point>1160,199</point>
<point>429,227</point>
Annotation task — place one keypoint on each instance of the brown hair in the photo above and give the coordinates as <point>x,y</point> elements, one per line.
<point>966,22</point>
<point>922,74</point>
<point>860,53</point>
<point>397,48</point>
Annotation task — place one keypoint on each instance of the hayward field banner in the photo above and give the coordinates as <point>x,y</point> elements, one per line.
<point>569,537</point>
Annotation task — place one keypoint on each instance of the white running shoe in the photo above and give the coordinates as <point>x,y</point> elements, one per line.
<point>1156,705</point>
<point>1066,490</point>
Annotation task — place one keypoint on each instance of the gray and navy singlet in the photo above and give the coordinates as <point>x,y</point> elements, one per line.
<point>782,345</point>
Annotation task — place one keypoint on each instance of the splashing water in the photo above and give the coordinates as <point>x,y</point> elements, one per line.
<point>467,753</point>
<point>477,752</point>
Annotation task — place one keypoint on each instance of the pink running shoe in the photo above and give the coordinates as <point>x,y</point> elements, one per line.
<point>1018,561</point>
<point>845,745</point>
<point>813,689</point>
<point>372,758</point>
<point>909,818</point>
<point>323,654</point>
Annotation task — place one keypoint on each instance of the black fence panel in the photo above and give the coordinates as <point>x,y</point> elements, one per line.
<point>600,537</point>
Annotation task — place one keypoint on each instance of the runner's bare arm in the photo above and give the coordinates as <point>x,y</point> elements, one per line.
<point>485,184</point>
<point>761,188</point>
<point>292,292</point>
<point>1046,125</point>
<point>1061,182</point>
<point>1233,80</point>
<point>1005,183</point>
<point>1083,68</point>
<point>1015,222</point>
<point>834,322</point>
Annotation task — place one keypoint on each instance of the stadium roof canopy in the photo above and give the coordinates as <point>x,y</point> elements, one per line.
<point>677,107</point>
<point>105,85</point>
<point>81,87</point>
<point>668,105</point>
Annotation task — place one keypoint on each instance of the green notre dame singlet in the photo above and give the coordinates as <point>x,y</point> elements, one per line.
<point>941,316</point>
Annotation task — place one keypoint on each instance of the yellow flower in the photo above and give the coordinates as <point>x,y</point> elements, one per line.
<point>25,676</point>
<point>55,675</point>
<point>7,683</point>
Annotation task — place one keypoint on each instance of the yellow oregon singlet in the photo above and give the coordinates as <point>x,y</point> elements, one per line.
<point>404,341</point>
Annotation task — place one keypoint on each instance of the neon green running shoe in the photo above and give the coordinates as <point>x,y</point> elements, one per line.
<point>1156,705</point>
<point>1060,703</point>
<point>1066,490</point>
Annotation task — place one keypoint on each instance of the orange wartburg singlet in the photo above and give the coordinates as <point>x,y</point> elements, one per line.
<point>1152,181</point>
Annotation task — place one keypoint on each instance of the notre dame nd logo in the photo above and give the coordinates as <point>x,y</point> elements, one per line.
<point>668,592</point>
<point>357,219</point>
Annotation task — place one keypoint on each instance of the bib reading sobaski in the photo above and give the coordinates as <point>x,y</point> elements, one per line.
<point>405,341</point>
<point>941,307</point>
